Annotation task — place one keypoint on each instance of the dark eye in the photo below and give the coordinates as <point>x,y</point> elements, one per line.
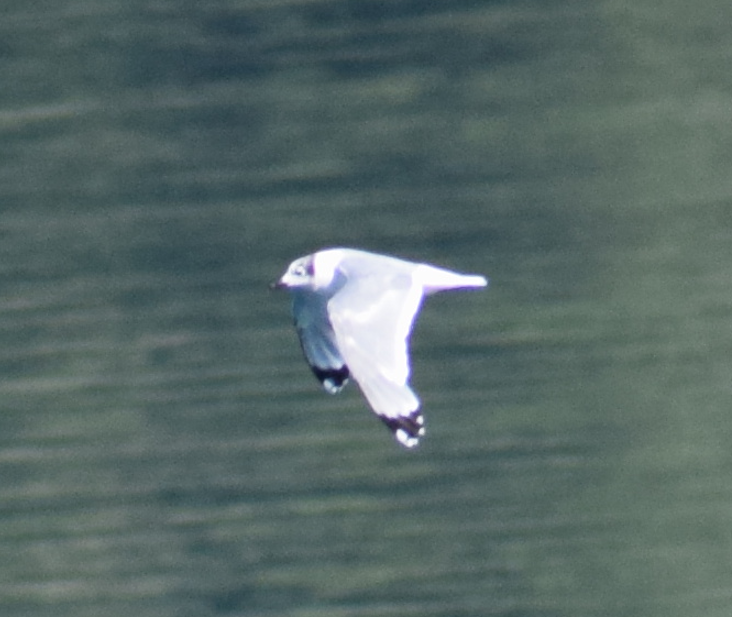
<point>304,269</point>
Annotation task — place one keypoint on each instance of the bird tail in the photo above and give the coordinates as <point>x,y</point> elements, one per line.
<point>437,279</point>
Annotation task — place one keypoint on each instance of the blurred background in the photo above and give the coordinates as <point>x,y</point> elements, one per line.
<point>164,449</point>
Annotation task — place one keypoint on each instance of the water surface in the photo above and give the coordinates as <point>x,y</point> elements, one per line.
<point>163,447</point>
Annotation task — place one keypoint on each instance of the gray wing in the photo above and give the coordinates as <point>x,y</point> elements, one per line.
<point>318,341</point>
<point>372,318</point>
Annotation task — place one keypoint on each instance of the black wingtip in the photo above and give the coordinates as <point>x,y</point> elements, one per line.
<point>333,379</point>
<point>406,429</point>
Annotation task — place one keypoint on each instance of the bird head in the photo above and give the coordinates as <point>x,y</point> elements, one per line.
<point>316,272</point>
<point>300,273</point>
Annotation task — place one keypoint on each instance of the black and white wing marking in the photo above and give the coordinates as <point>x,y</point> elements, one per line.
<point>318,341</point>
<point>372,318</point>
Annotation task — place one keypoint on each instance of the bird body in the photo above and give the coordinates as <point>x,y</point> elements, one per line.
<point>353,312</point>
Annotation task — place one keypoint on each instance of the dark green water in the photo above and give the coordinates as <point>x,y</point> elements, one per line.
<point>164,450</point>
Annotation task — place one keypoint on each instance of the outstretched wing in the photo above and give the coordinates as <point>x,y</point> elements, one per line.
<point>372,318</point>
<point>317,340</point>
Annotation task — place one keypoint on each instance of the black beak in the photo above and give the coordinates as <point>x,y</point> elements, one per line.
<point>277,285</point>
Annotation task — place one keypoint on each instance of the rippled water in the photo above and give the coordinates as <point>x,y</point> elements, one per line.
<point>164,449</point>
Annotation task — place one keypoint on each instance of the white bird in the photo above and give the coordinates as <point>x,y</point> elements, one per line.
<point>354,312</point>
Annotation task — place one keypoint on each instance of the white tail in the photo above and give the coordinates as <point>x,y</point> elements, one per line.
<point>437,279</point>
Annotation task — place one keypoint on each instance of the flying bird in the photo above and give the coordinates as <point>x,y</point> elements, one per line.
<point>354,311</point>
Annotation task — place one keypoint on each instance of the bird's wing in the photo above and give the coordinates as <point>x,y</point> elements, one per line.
<point>372,318</point>
<point>317,340</point>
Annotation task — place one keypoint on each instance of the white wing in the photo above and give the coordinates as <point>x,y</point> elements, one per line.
<point>317,340</point>
<point>372,318</point>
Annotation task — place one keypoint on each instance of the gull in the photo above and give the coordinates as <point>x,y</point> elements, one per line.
<point>353,312</point>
